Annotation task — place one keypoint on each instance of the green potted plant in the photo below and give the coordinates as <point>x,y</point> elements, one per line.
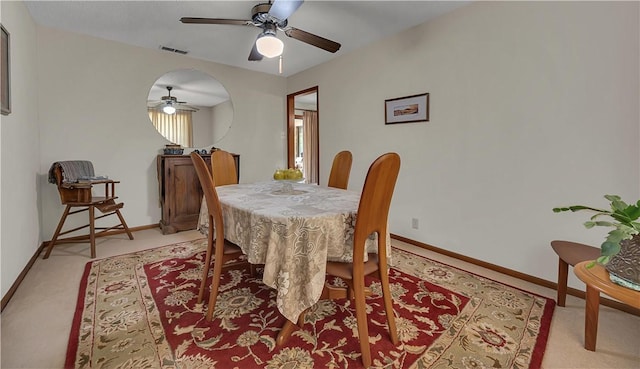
<point>620,252</point>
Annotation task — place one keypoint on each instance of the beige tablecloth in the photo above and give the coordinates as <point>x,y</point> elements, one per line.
<point>293,232</point>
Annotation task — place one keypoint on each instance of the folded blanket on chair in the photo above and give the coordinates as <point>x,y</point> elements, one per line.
<point>72,170</point>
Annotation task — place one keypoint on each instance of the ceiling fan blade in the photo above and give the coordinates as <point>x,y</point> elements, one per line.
<point>311,39</point>
<point>282,9</point>
<point>186,107</point>
<point>254,55</point>
<point>237,22</point>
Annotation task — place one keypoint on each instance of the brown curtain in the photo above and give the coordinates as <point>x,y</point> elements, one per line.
<point>176,128</point>
<point>310,157</point>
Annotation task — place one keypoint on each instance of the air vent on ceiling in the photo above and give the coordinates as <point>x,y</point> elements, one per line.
<point>165,48</point>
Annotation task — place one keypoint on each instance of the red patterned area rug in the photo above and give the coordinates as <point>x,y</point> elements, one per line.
<point>139,311</point>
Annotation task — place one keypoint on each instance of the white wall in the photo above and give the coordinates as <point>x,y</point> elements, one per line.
<point>82,79</point>
<point>20,148</point>
<point>533,105</point>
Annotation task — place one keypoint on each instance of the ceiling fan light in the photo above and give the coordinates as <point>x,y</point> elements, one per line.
<point>168,109</point>
<point>269,45</point>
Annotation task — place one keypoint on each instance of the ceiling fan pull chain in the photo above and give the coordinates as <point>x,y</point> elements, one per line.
<point>280,65</point>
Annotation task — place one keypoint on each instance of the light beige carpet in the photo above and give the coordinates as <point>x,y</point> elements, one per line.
<point>36,323</point>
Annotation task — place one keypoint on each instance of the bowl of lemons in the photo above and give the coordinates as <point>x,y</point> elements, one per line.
<point>289,175</point>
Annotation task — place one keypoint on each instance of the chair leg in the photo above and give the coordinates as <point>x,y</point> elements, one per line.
<point>563,271</point>
<point>361,319</point>
<point>92,230</point>
<point>215,284</point>
<point>301,318</point>
<point>285,332</point>
<point>388,304</point>
<point>57,232</point>
<point>205,268</point>
<point>124,224</point>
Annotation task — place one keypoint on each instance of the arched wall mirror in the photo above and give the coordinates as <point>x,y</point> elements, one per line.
<point>190,108</point>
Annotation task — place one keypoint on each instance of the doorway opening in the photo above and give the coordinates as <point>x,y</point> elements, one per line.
<point>303,139</point>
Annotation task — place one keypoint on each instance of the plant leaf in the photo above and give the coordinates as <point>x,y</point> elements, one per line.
<point>578,208</point>
<point>602,260</point>
<point>609,249</point>
<point>632,211</point>
<point>612,198</point>
<point>616,235</point>
<point>618,205</point>
<point>604,224</point>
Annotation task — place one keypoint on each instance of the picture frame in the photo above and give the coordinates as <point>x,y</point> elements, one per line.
<point>407,109</point>
<point>5,76</point>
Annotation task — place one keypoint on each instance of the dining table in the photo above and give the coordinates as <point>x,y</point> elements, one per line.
<point>292,229</point>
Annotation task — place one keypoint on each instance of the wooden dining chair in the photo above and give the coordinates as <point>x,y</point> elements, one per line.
<point>373,211</point>
<point>221,249</point>
<point>224,172</point>
<point>223,168</point>
<point>76,183</point>
<point>340,170</point>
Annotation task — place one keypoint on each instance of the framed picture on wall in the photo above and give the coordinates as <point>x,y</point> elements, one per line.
<point>407,109</point>
<point>5,101</point>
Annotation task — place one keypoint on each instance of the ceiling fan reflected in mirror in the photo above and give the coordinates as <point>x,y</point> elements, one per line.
<point>271,17</point>
<point>169,104</point>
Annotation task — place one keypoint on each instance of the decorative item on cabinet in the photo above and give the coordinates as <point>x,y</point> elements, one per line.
<point>180,191</point>
<point>200,152</point>
<point>173,149</point>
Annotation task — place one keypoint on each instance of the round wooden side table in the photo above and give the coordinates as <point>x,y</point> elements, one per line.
<point>597,280</point>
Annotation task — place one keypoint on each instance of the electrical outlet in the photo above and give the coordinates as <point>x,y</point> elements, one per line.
<point>414,223</point>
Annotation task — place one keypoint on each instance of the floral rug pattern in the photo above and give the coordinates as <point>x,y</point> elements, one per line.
<point>139,311</point>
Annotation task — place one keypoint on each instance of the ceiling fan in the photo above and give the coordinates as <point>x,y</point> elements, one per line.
<point>270,18</point>
<point>169,104</point>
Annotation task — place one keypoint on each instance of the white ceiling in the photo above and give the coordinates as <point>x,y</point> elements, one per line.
<point>151,24</point>
<point>191,86</point>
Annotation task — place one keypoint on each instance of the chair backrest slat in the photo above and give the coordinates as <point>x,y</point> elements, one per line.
<point>375,201</point>
<point>210,195</point>
<point>223,168</point>
<point>340,170</point>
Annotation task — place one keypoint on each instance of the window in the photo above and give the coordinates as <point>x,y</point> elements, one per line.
<point>299,142</point>
<point>176,128</point>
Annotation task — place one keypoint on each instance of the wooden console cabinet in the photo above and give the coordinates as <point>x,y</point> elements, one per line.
<point>180,191</point>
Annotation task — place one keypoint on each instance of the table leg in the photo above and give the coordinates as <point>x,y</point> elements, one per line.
<point>591,318</point>
<point>563,271</point>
